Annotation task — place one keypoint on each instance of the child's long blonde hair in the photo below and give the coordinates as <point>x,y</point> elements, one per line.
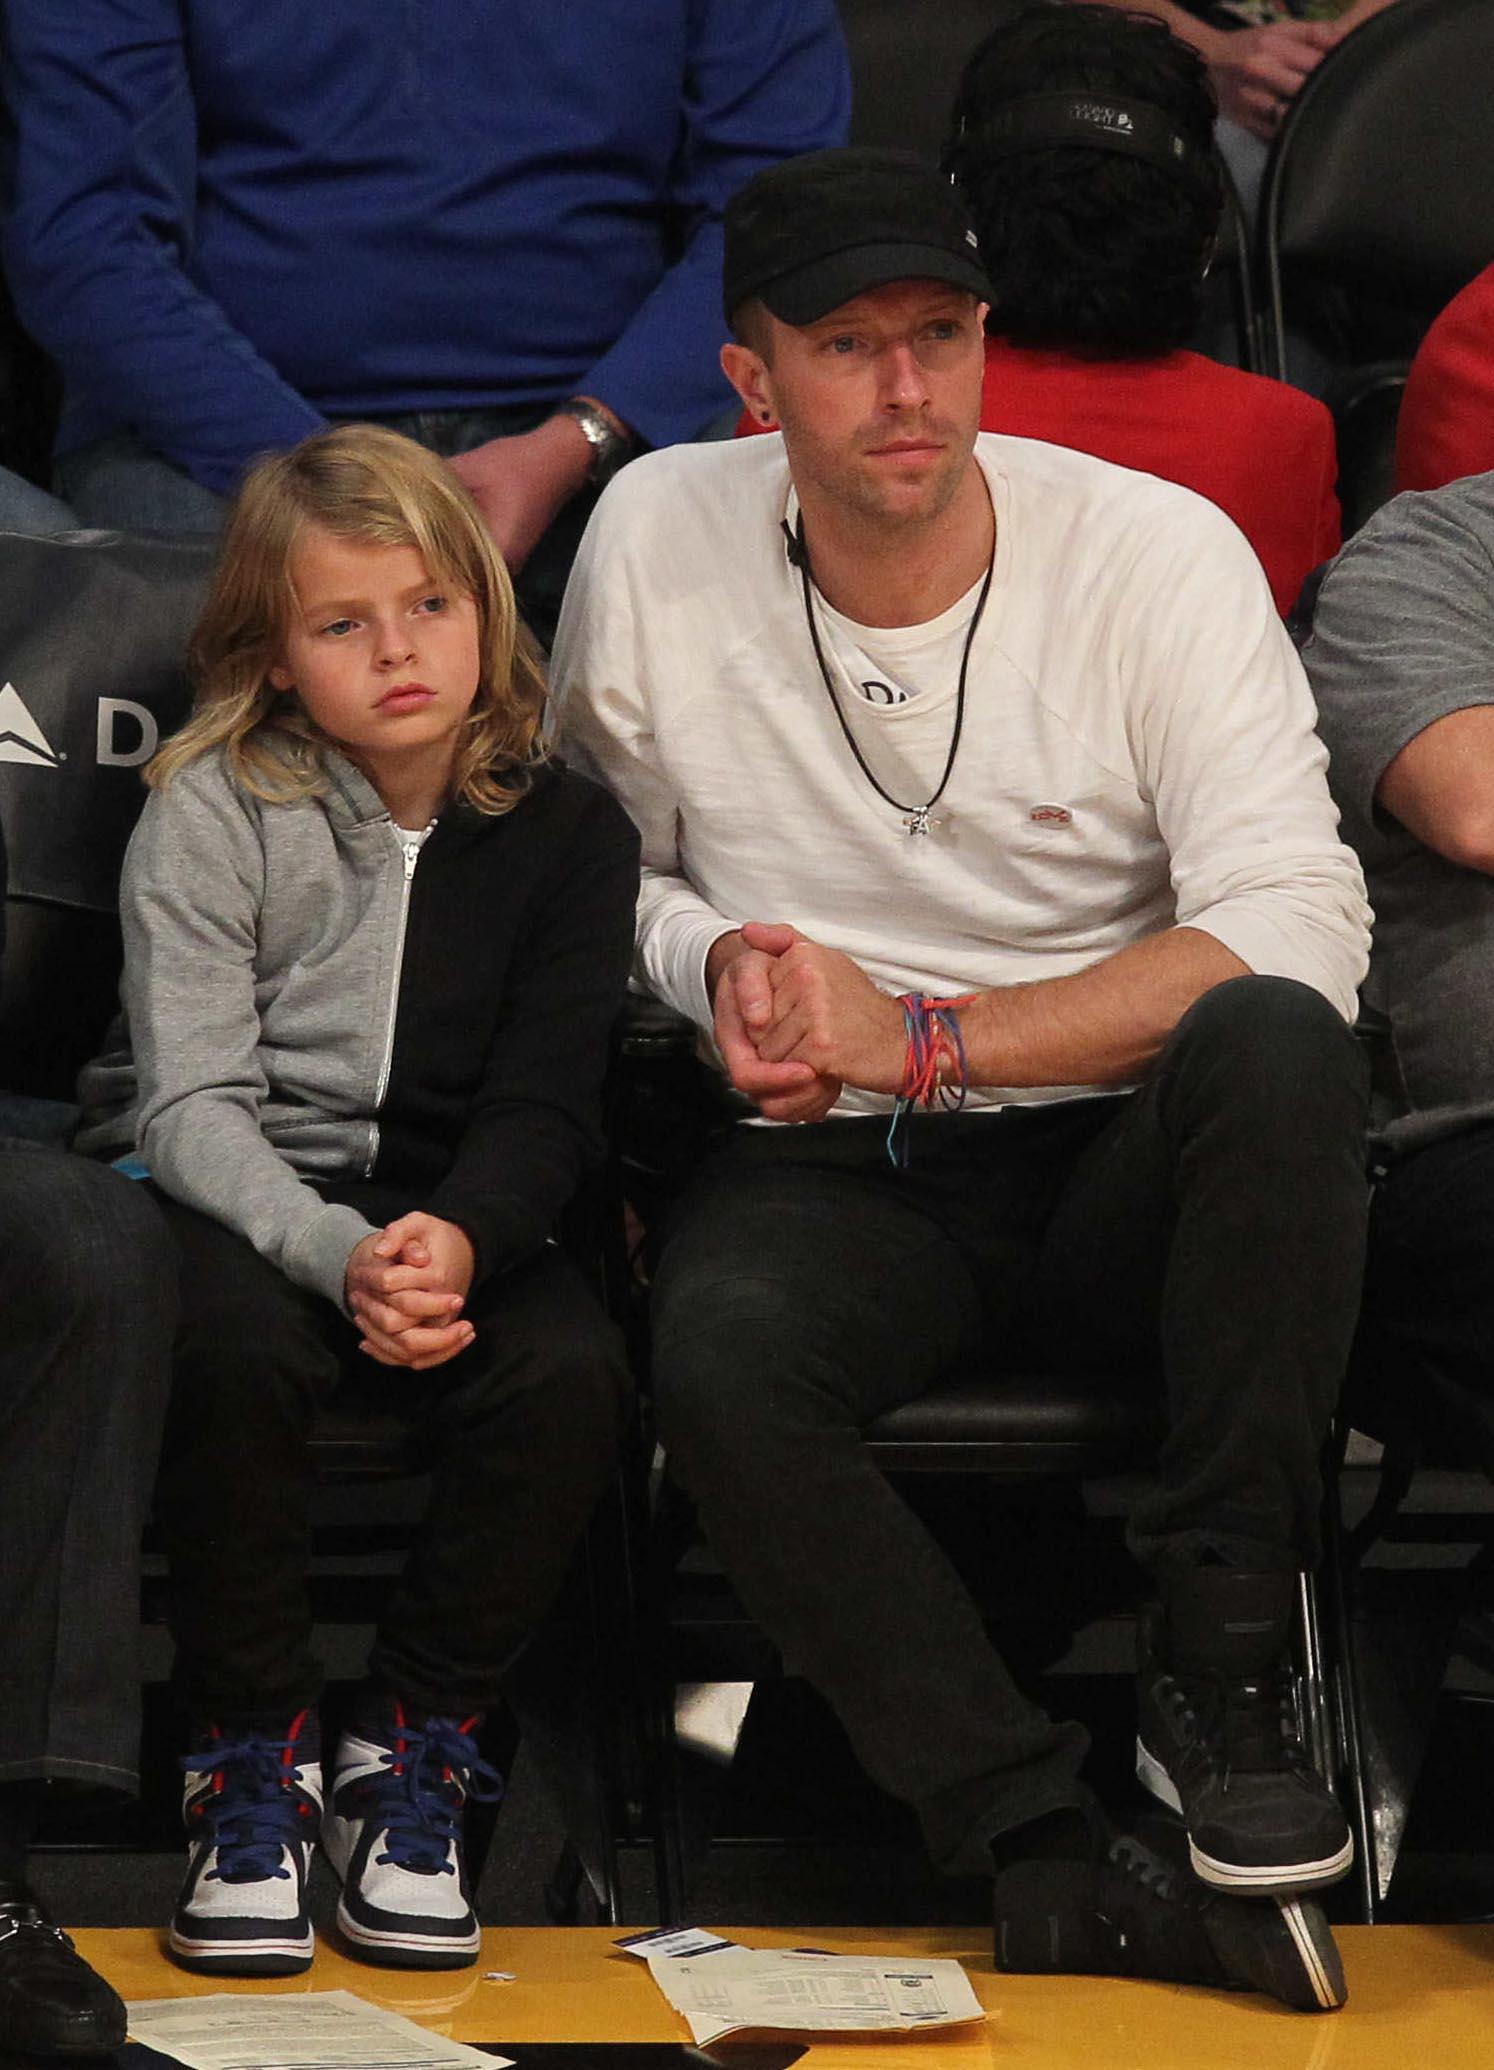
<point>363,483</point>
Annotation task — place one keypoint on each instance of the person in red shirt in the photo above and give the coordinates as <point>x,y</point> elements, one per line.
<point>1265,453</point>
<point>1446,425</point>
<point>1082,137</point>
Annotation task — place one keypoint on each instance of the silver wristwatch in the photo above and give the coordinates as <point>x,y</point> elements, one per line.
<point>610,448</point>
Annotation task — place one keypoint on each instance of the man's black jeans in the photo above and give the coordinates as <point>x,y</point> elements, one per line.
<point>1207,1227</point>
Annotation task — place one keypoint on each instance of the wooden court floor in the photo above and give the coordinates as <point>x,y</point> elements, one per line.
<point>1420,1998</point>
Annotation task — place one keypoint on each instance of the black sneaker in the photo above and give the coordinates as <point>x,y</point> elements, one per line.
<point>252,1806</point>
<point>51,2003</point>
<point>1130,1914</point>
<point>393,1833</point>
<point>1217,1738</point>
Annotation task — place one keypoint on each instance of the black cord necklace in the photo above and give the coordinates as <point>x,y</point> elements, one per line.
<point>917,819</point>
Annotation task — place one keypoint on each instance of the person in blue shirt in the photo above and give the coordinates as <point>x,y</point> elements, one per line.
<point>497,232</point>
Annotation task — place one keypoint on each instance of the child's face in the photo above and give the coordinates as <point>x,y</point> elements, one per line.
<point>383,657</point>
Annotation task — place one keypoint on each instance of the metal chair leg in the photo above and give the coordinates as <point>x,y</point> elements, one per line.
<point>1353,1767</point>
<point>1333,1725</point>
<point>1317,1728</point>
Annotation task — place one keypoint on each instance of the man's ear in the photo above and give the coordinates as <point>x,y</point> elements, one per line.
<point>748,373</point>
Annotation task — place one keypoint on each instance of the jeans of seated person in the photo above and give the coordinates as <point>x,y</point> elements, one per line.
<point>119,483</point>
<point>27,509</point>
<point>88,1296</point>
<point>33,1120</point>
<point>1211,1221</point>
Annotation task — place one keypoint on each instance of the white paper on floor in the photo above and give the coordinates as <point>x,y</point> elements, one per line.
<point>319,2030</point>
<point>736,1988</point>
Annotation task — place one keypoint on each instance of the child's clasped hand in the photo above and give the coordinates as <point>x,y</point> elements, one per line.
<point>405,1288</point>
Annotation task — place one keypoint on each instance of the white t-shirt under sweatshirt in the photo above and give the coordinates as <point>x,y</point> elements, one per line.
<point>1138,747</point>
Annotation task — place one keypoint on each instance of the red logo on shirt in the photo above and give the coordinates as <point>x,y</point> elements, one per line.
<point>1052,815</point>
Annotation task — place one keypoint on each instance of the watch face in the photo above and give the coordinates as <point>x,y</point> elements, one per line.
<point>609,449</point>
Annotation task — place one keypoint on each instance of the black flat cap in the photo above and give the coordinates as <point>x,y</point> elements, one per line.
<point>809,234</point>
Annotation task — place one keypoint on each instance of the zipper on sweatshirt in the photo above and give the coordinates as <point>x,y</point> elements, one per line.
<point>410,855</point>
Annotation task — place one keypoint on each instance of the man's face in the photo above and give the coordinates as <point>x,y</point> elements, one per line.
<point>880,400</point>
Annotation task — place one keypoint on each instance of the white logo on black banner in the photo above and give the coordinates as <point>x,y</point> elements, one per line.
<point>127,733</point>
<point>21,739</point>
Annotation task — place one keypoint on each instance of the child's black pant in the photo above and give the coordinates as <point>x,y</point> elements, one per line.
<point>523,1429</point>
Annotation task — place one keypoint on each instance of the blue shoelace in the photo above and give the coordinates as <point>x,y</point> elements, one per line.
<point>256,1813</point>
<point>419,1801</point>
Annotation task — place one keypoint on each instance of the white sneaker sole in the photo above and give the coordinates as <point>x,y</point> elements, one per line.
<point>406,1950</point>
<point>397,1946</point>
<point>267,1955</point>
<point>1280,1879</point>
<point>1329,1996</point>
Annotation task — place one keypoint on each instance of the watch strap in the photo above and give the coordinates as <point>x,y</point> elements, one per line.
<point>610,448</point>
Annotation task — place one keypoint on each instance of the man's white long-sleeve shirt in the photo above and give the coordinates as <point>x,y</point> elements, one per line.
<point>1137,751</point>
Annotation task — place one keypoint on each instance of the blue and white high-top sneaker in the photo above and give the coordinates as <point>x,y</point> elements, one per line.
<point>393,1833</point>
<point>252,1805</point>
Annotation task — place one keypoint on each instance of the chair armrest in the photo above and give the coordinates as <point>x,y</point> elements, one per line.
<point>648,1030</point>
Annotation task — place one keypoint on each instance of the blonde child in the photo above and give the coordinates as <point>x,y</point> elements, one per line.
<point>375,941</point>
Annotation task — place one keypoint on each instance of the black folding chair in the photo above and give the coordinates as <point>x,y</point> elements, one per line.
<point>1378,198</point>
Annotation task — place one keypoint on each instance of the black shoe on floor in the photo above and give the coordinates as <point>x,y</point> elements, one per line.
<point>1130,1914</point>
<point>51,2002</point>
<point>1217,1737</point>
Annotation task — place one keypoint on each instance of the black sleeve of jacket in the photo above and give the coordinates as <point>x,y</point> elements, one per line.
<point>537,1120</point>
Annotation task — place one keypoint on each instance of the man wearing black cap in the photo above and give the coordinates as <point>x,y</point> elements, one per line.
<point>977,774</point>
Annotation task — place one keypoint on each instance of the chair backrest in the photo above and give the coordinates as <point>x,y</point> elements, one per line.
<point>1232,278</point>
<point>906,63</point>
<point>93,628</point>
<point>1381,181</point>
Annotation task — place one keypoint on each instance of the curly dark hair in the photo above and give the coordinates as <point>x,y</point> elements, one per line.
<point>1089,251</point>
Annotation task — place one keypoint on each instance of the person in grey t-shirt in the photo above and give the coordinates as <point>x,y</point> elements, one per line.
<point>1401,658</point>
